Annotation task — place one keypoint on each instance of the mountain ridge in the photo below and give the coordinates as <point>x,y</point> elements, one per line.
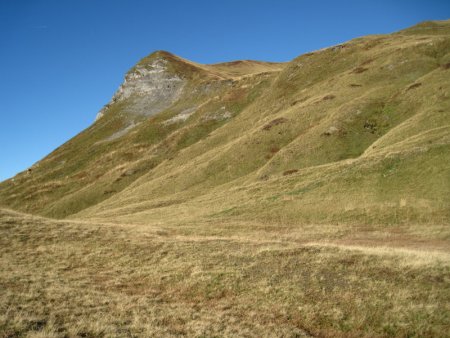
<point>248,122</point>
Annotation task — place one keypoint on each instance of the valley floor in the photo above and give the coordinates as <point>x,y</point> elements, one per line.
<point>76,278</point>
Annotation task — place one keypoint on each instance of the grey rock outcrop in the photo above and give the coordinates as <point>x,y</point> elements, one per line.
<point>147,89</point>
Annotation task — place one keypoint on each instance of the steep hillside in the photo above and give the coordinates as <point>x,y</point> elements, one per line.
<point>164,105</point>
<point>354,133</point>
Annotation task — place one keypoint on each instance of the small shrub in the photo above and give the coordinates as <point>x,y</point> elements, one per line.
<point>274,123</point>
<point>274,150</point>
<point>359,70</point>
<point>371,126</point>
<point>290,172</point>
<point>367,62</point>
<point>415,85</point>
<point>329,97</point>
<point>303,99</point>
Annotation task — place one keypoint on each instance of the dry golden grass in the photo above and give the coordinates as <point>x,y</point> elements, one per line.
<point>84,279</point>
<point>309,198</point>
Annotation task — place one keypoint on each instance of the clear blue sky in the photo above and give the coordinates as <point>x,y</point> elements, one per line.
<point>61,60</point>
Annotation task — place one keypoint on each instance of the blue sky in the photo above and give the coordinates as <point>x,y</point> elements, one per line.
<point>61,61</point>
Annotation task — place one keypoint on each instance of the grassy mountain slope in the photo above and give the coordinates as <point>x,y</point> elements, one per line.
<point>353,133</point>
<point>357,132</point>
<point>101,160</point>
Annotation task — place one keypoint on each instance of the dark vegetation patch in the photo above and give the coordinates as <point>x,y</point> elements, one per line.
<point>163,204</point>
<point>367,62</point>
<point>290,172</point>
<point>338,47</point>
<point>446,65</point>
<point>272,151</point>
<point>329,97</point>
<point>414,85</point>
<point>274,123</point>
<point>37,325</point>
<point>303,99</point>
<point>359,70</point>
<point>371,126</point>
<point>234,63</point>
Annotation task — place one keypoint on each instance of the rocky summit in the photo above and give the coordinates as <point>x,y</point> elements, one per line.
<point>149,87</point>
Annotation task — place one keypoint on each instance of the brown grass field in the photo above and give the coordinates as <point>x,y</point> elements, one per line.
<point>82,279</point>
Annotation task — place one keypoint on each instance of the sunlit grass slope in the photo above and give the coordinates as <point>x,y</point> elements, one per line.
<point>354,132</point>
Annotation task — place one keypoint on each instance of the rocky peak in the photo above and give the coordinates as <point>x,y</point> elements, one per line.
<point>147,79</point>
<point>150,86</point>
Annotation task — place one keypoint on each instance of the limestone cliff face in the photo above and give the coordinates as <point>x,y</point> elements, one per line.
<point>148,89</point>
